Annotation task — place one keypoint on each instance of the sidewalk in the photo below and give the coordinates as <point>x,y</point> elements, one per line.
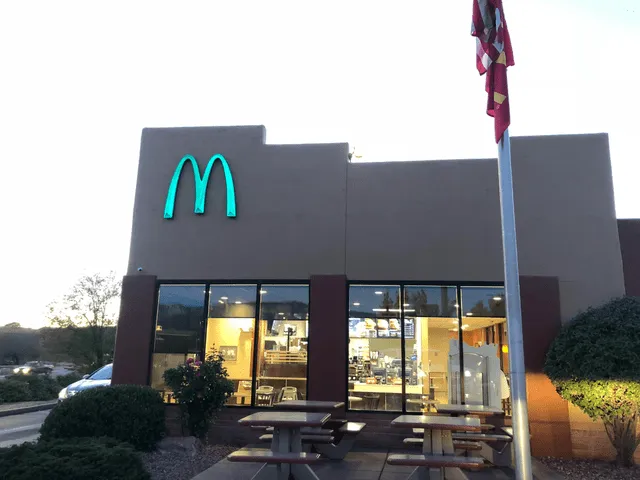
<point>360,464</point>
<point>7,409</point>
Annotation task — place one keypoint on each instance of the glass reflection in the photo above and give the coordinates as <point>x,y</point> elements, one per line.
<point>431,323</point>
<point>283,338</point>
<point>375,350</point>
<point>230,330</point>
<point>178,330</point>
<point>486,362</point>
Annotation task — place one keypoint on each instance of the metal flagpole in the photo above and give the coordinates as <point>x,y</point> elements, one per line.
<point>520,414</point>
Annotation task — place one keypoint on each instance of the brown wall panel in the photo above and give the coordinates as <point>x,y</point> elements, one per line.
<point>548,412</point>
<point>132,357</point>
<point>629,232</point>
<point>328,338</point>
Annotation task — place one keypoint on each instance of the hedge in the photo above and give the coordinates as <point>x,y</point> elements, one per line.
<point>72,459</point>
<point>129,413</point>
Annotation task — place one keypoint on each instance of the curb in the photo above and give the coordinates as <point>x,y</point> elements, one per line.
<point>34,408</point>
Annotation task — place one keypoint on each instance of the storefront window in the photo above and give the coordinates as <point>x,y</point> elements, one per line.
<point>178,330</point>
<point>486,363</point>
<point>283,336</point>
<point>230,331</point>
<point>375,348</point>
<point>431,334</point>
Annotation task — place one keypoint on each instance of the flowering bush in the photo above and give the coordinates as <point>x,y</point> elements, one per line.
<point>201,389</point>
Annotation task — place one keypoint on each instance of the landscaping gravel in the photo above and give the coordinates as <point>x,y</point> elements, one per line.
<point>591,469</point>
<point>183,464</point>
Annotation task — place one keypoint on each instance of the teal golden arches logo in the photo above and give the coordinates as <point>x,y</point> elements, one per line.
<point>201,183</point>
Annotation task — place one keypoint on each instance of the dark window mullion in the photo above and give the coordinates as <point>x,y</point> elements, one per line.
<point>403,352</point>
<point>256,330</point>
<point>460,346</point>
<point>203,326</point>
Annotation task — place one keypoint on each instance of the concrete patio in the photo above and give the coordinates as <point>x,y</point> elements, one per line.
<point>360,464</point>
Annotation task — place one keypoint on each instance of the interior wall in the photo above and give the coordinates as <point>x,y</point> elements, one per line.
<point>228,332</point>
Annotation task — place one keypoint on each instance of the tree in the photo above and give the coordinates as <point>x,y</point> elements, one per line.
<point>593,363</point>
<point>18,345</point>
<point>86,319</point>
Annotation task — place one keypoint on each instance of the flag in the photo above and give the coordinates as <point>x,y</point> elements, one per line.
<point>493,56</point>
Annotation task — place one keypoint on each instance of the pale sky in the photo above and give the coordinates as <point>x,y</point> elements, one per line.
<point>397,80</point>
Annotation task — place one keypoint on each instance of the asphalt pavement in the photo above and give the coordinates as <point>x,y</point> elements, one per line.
<point>16,429</point>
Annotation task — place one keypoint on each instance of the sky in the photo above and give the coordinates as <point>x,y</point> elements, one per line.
<point>397,80</point>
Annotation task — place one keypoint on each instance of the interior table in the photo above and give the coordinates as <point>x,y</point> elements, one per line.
<point>478,410</point>
<point>286,439</point>
<point>437,440</point>
<point>310,405</point>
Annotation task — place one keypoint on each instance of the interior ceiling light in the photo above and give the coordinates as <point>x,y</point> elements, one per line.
<point>378,293</point>
<point>356,304</point>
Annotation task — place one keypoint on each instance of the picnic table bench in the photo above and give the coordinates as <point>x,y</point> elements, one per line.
<point>286,444</point>
<point>438,452</point>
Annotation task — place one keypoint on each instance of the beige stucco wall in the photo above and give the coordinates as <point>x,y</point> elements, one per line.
<point>303,210</point>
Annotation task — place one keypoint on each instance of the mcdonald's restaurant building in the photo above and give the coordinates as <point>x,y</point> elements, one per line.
<point>375,284</point>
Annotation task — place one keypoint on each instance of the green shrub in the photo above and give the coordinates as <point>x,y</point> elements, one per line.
<point>593,364</point>
<point>14,391</point>
<point>40,387</point>
<point>68,379</point>
<point>201,389</point>
<point>129,413</point>
<point>73,459</point>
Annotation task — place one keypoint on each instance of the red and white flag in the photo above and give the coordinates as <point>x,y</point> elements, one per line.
<point>493,56</point>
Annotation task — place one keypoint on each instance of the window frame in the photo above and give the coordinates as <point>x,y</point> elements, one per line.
<point>458,285</point>
<point>203,322</point>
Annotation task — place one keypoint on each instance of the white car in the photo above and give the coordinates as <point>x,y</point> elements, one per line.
<point>99,378</point>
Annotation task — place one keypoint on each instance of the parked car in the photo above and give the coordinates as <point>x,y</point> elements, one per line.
<point>34,368</point>
<point>99,378</point>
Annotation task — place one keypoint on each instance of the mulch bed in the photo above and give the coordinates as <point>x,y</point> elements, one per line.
<point>590,469</point>
<point>182,465</point>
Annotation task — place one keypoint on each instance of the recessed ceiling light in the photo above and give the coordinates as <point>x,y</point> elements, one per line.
<point>378,293</point>
<point>497,298</point>
<point>280,313</point>
<point>262,292</point>
<point>224,298</point>
<point>356,304</point>
<point>238,302</point>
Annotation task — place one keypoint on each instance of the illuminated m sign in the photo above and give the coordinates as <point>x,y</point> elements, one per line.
<point>201,186</point>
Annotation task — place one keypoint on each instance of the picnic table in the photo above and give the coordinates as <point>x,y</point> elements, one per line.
<point>337,437</point>
<point>286,445</point>
<point>494,442</point>
<point>438,456</point>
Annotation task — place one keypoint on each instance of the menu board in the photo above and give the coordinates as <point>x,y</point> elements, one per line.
<point>409,328</point>
<point>379,328</point>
